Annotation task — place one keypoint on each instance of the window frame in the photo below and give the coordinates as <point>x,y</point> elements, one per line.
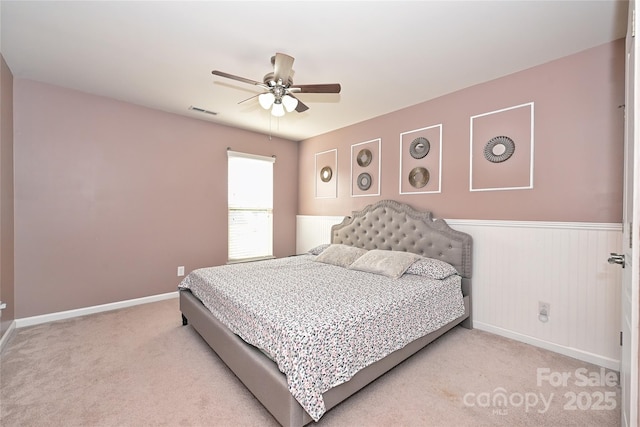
<point>234,208</point>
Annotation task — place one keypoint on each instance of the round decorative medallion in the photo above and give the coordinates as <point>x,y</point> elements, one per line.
<point>364,157</point>
<point>325,174</point>
<point>499,149</point>
<point>418,177</point>
<point>364,181</point>
<point>419,147</point>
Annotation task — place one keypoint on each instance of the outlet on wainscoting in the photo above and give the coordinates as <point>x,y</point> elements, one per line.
<point>544,311</point>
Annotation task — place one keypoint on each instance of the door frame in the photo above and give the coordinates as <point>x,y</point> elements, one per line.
<point>630,278</point>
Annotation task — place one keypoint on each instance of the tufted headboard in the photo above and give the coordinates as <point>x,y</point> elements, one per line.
<point>390,225</point>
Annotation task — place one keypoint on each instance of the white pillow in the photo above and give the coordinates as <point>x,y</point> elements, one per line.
<point>318,249</point>
<point>387,263</point>
<point>340,255</point>
<point>431,268</point>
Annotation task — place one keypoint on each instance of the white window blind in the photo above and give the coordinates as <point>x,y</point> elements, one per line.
<point>250,180</point>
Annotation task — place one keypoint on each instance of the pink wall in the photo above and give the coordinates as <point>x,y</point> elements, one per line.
<point>6,196</point>
<point>578,146</point>
<point>111,197</point>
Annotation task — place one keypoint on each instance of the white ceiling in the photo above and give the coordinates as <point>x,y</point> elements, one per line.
<point>387,55</point>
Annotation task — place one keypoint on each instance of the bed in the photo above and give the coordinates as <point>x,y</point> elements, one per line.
<point>260,340</point>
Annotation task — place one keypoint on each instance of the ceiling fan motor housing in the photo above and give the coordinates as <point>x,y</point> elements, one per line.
<point>270,81</point>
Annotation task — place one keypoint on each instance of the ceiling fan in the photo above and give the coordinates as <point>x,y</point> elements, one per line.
<point>280,88</point>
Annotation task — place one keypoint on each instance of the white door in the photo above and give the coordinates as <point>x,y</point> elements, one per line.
<point>629,257</point>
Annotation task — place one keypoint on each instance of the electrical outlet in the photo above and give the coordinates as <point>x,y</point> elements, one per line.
<point>544,311</point>
<point>181,271</point>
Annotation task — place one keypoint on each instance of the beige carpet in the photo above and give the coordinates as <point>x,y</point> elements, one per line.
<point>140,367</point>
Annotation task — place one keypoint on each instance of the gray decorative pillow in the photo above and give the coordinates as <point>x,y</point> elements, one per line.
<point>340,255</point>
<point>431,268</point>
<point>387,263</point>
<point>318,249</point>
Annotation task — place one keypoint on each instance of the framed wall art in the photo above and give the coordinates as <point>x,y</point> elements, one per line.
<point>326,174</point>
<point>421,160</point>
<point>365,168</point>
<point>501,149</point>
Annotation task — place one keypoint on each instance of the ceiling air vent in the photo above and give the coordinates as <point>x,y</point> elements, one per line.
<point>202,110</point>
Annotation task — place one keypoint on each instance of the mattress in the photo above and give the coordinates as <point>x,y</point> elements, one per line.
<point>323,323</point>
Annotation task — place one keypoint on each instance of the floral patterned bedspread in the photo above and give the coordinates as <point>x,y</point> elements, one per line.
<point>323,323</point>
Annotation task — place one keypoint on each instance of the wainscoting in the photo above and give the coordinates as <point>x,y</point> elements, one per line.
<point>519,264</point>
<point>312,231</point>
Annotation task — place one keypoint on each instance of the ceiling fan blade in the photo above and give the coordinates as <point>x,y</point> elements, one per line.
<point>300,107</point>
<point>282,65</point>
<point>321,88</point>
<point>240,79</point>
<point>251,97</point>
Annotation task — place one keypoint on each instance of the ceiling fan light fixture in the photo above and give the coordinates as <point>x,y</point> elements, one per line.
<point>278,109</point>
<point>290,103</point>
<point>266,100</point>
<point>278,87</point>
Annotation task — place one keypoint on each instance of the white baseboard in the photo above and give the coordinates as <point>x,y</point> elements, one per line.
<point>7,335</point>
<point>567,351</point>
<point>61,315</point>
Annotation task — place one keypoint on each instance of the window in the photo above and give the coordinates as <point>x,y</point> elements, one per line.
<point>250,204</point>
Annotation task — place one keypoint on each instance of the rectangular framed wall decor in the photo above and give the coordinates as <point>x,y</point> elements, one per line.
<point>421,160</point>
<point>501,149</point>
<point>326,174</point>
<point>365,168</point>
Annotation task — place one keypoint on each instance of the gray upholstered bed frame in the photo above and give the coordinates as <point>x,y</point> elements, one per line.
<point>383,225</point>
